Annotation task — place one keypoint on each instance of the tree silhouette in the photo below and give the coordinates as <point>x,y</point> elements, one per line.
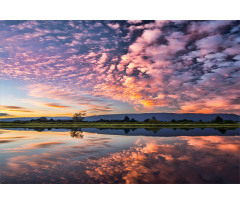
<point>126,119</point>
<point>78,117</point>
<point>133,120</point>
<point>154,118</point>
<point>218,119</point>
<point>42,119</point>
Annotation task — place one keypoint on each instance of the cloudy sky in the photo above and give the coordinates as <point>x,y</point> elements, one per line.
<point>56,68</point>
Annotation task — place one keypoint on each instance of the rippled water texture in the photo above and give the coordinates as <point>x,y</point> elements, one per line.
<point>120,156</point>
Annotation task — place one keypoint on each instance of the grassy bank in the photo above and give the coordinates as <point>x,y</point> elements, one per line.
<point>71,125</point>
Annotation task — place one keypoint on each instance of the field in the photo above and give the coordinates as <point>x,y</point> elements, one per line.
<point>70,125</point>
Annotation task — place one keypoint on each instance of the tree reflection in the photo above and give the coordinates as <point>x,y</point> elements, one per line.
<point>39,129</point>
<point>222,130</point>
<point>153,129</point>
<point>76,133</point>
<point>126,130</point>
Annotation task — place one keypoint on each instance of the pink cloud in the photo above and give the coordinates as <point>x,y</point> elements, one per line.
<point>134,21</point>
<point>113,26</point>
<point>150,36</point>
<point>159,65</point>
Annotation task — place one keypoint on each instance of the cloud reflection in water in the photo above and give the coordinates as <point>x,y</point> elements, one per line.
<point>102,159</point>
<point>209,160</point>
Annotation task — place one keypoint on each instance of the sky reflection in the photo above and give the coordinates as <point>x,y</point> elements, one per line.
<point>56,157</point>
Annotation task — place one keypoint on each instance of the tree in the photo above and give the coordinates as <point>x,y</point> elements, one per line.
<point>42,119</point>
<point>154,118</point>
<point>228,121</point>
<point>218,119</point>
<point>126,119</point>
<point>133,120</point>
<point>78,117</point>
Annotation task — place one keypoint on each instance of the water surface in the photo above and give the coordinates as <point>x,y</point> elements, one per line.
<point>91,155</point>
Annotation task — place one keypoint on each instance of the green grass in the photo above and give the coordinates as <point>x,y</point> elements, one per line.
<point>70,125</point>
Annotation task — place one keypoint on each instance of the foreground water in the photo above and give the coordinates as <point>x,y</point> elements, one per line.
<point>91,155</point>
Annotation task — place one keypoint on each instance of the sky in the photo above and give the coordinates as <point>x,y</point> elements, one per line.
<point>57,68</point>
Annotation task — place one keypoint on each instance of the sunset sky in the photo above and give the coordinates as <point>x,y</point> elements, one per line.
<point>57,68</point>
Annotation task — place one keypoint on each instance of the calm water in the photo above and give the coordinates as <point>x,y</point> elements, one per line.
<point>91,155</point>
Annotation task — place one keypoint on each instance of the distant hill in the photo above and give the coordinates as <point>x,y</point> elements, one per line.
<point>30,118</point>
<point>143,116</point>
<point>165,116</point>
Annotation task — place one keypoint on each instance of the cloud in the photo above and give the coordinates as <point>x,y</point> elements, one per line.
<point>75,102</point>
<point>56,105</point>
<point>15,109</point>
<point>4,114</point>
<point>209,44</point>
<point>150,36</point>
<point>134,21</point>
<point>12,107</point>
<point>208,26</point>
<point>160,66</point>
<point>113,26</point>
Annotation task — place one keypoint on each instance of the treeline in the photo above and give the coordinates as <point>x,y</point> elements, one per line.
<point>126,119</point>
<point>218,119</point>
<point>41,119</point>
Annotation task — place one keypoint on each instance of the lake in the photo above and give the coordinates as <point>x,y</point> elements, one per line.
<point>134,156</point>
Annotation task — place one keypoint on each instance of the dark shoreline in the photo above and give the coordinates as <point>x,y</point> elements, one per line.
<point>70,125</point>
